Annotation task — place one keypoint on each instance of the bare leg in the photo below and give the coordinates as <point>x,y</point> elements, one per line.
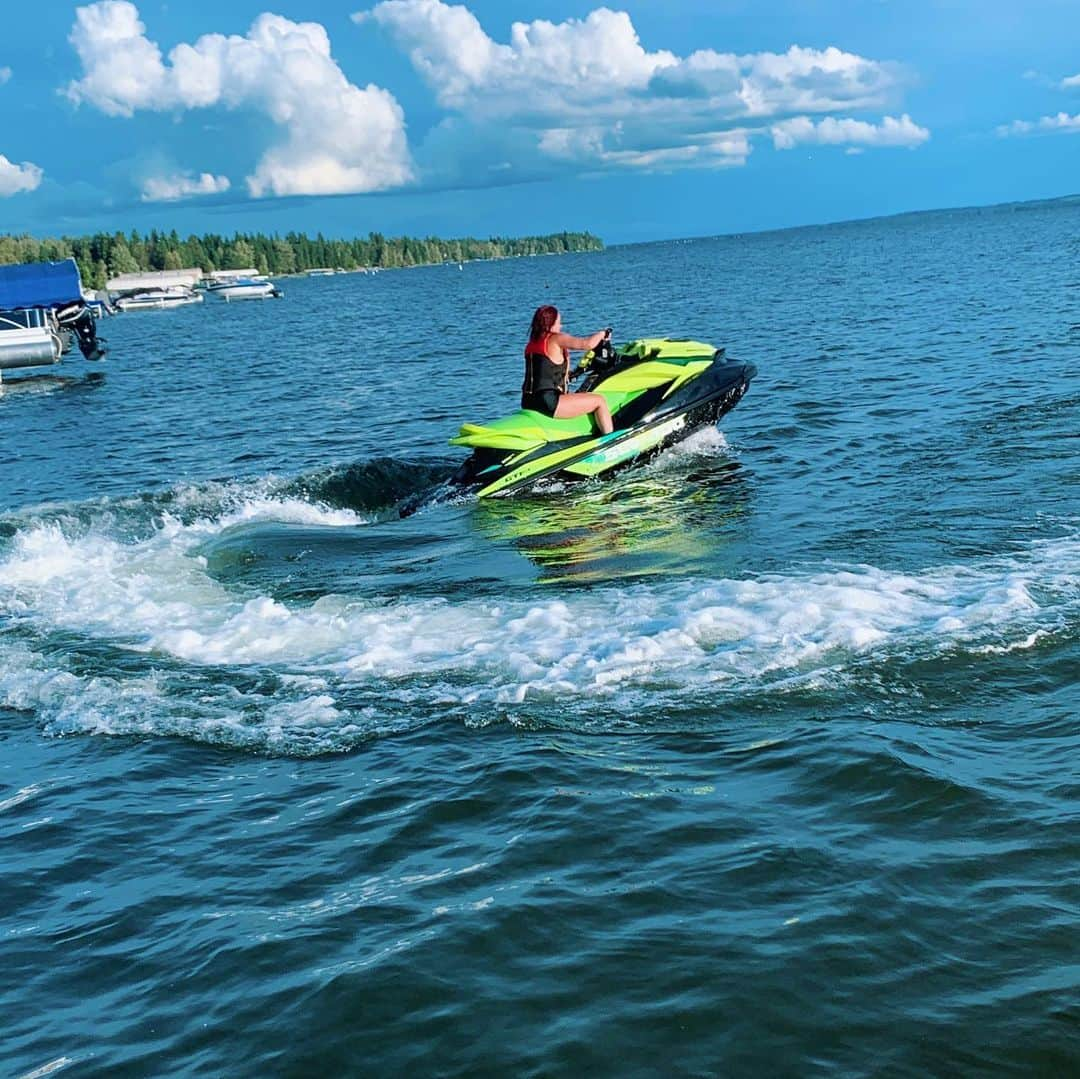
<point>582,404</point>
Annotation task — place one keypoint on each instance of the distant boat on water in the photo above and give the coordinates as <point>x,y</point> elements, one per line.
<point>175,296</point>
<point>246,288</point>
<point>155,289</point>
<point>242,285</point>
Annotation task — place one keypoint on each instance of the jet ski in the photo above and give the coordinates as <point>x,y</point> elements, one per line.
<point>659,390</point>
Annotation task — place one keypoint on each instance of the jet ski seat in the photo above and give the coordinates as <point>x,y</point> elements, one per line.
<point>522,430</point>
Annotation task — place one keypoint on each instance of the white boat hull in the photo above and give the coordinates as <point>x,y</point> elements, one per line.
<point>262,291</point>
<point>137,303</point>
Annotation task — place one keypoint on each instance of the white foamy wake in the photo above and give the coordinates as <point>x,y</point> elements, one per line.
<point>136,591</point>
<point>342,661</point>
<point>708,442</point>
<point>207,508</point>
<point>71,572</point>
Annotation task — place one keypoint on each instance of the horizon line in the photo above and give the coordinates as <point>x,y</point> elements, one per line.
<point>588,231</point>
<point>850,220</point>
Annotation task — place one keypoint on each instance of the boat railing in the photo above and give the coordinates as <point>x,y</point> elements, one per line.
<point>28,318</point>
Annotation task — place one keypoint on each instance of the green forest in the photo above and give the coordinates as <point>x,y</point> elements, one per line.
<point>105,255</point>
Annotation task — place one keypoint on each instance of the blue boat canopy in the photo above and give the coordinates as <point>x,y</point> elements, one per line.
<point>39,284</point>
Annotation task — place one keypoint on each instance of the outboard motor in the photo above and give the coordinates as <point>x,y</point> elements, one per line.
<point>80,320</point>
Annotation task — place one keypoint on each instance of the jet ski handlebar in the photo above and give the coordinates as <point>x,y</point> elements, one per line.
<point>604,353</point>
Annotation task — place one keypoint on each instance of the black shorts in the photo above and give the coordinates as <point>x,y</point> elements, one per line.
<point>544,401</point>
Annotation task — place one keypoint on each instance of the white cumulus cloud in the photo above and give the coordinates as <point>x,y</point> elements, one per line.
<point>847,132</point>
<point>763,85</point>
<point>587,92</point>
<point>1062,122</point>
<point>605,147</point>
<point>182,185</point>
<point>15,178</point>
<point>339,138</point>
<point>546,66</point>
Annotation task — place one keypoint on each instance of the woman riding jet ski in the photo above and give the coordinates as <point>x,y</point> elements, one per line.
<point>658,391</point>
<point>546,387</point>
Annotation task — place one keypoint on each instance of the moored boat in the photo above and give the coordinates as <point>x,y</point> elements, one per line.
<point>155,289</point>
<point>245,288</point>
<point>177,296</point>
<point>42,313</point>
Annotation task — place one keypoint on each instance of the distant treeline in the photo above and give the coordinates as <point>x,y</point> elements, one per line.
<point>105,255</point>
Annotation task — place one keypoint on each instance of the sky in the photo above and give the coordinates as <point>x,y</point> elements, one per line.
<point>644,120</point>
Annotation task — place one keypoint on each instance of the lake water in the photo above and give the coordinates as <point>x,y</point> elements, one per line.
<point>759,758</point>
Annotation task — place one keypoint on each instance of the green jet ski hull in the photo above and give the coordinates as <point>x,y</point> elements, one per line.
<point>659,391</point>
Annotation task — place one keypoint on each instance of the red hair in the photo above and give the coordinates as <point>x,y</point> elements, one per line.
<point>542,321</point>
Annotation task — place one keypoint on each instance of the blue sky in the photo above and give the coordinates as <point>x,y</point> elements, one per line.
<point>641,120</point>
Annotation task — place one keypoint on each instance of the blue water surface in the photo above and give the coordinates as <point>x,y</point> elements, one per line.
<point>757,758</point>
